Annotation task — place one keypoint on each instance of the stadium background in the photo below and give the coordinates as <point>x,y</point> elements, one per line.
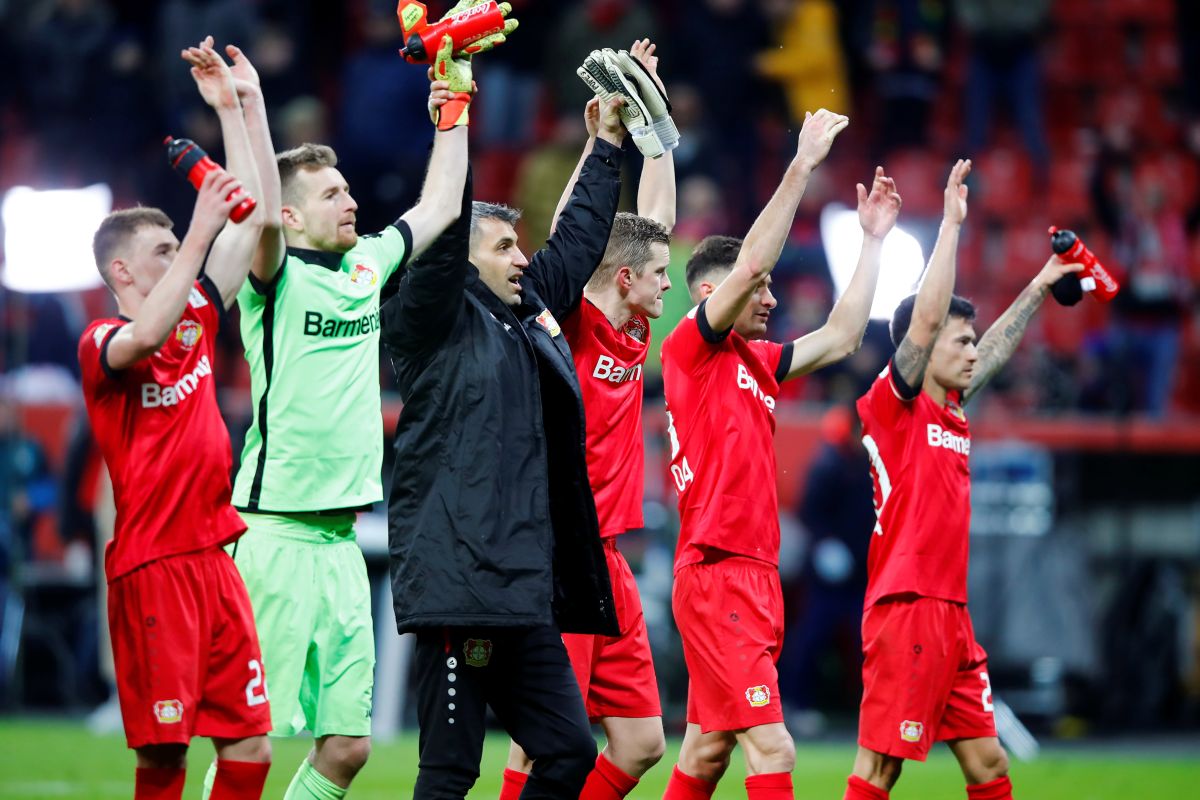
<point>1083,113</point>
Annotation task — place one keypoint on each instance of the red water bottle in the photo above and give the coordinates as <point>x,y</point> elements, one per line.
<point>467,26</point>
<point>1094,278</point>
<point>189,160</point>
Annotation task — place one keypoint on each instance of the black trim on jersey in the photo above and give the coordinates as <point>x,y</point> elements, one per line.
<point>706,331</point>
<point>406,234</point>
<point>905,391</point>
<point>268,346</point>
<point>785,363</point>
<point>262,287</point>
<point>109,371</point>
<point>214,296</point>
<point>319,258</point>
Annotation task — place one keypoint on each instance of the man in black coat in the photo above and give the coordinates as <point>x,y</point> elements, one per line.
<point>495,548</point>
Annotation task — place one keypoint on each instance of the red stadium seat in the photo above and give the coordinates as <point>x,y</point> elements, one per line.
<point>1004,180</point>
<point>1068,196</point>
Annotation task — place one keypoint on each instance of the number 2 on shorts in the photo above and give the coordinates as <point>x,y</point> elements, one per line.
<point>253,698</point>
<point>987,691</point>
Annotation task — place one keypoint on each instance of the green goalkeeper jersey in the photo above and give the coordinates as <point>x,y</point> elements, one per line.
<point>312,341</point>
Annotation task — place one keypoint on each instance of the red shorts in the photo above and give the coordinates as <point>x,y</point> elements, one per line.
<point>730,617</point>
<point>616,674</point>
<point>186,652</point>
<point>925,678</point>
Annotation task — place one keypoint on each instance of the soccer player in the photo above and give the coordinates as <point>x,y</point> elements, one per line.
<point>721,386</point>
<point>313,454</point>
<point>186,654</point>
<point>925,678</point>
<point>609,335</point>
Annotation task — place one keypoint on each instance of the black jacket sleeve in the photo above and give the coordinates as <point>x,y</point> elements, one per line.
<point>563,267</point>
<point>429,300</point>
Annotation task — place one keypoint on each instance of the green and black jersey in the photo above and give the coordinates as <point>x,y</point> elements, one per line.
<point>312,341</point>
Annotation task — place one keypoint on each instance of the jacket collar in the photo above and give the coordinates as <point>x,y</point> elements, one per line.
<point>498,308</point>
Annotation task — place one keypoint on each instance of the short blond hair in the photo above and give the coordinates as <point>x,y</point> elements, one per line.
<point>307,156</point>
<point>628,246</point>
<point>115,231</point>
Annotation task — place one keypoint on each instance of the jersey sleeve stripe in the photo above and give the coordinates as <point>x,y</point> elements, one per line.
<point>785,362</point>
<point>214,297</point>
<point>268,345</point>
<point>262,287</point>
<point>902,389</point>
<point>109,371</point>
<point>706,331</point>
<point>406,235</point>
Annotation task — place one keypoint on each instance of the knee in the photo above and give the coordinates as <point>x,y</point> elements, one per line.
<point>707,760</point>
<point>162,756</point>
<point>770,749</point>
<point>256,748</point>
<point>567,765</point>
<point>878,769</point>
<point>988,765</point>
<point>348,753</point>
<point>638,754</point>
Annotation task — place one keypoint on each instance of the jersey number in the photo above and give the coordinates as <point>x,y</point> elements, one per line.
<point>253,697</point>
<point>881,479</point>
<point>682,474</point>
<point>986,697</point>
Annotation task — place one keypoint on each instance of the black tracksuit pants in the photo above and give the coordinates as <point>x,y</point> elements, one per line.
<point>525,676</point>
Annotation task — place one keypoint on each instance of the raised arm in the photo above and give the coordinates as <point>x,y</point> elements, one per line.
<point>591,120</point>
<point>160,312</point>
<point>656,189</point>
<point>1001,340</point>
<point>268,257</point>
<point>767,235</point>
<point>232,253</point>
<point>933,298</point>
<point>842,334</point>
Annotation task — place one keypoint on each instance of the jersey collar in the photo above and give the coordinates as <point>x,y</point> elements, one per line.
<point>328,260</point>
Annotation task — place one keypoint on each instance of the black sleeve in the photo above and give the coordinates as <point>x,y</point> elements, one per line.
<point>561,269</point>
<point>269,286</point>
<point>429,300</point>
<point>214,297</point>
<point>706,330</point>
<point>785,362</point>
<point>905,391</point>
<point>104,365</point>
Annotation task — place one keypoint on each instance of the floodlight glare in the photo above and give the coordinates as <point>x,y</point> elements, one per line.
<point>902,259</point>
<point>48,238</point>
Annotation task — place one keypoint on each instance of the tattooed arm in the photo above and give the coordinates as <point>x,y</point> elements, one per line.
<point>933,298</point>
<point>1001,340</point>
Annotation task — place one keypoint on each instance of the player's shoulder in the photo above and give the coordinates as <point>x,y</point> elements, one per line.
<point>97,331</point>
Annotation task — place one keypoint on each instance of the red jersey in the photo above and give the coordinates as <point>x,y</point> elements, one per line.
<point>720,392</point>
<point>918,453</point>
<point>162,436</point>
<point>609,365</point>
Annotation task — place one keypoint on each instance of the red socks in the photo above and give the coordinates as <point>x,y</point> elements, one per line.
<point>157,783</point>
<point>239,780</point>
<point>607,781</point>
<point>514,782</point>
<point>999,789</point>
<point>769,786</point>
<point>685,787</point>
<point>858,789</point>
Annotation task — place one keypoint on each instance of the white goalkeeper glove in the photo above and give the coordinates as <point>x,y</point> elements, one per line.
<point>654,100</point>
<point>607,85</point>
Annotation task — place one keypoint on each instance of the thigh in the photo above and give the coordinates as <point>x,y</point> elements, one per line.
<point>622,681</point>
<point>341,674</point>
<point>968,713</point>
<point>910,660</point>
<point>156,624</point>
<point>535,695</point>
<point>451,700</point>
<point>234,703</point>
<point>729,616</point>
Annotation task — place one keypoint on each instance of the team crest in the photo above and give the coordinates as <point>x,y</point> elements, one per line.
<point>363,276</point>
<point>168,712</point>
<point>547,321</point>
<point>100,332</point>
<point>758,696</point>
<point>957,410</point>
<point>911,731</point>
<point>188,332</point>
<point>636,328</point>
<point>478,652</point>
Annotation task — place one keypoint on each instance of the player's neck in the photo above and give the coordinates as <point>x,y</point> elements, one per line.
<point>935,390</point>
<point>129,303</point>
<point>612,306</point>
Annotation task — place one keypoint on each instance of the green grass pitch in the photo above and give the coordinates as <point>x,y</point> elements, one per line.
<point>47,760</point>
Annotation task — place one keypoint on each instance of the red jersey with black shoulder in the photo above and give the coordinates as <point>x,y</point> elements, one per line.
<point>609,363</point>
<point>720,392</point>
<point>918,450</point>
<point>160,431</point>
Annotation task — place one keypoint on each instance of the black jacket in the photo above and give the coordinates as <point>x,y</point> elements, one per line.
<point>491,519</point>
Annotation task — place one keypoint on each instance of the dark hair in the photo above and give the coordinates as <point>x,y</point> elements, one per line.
<point>714,253</point>
<point>116,229</point>
<point>481,211</point>
<point>307,156</point>
<point>902,317</point>
<point>628,246</point>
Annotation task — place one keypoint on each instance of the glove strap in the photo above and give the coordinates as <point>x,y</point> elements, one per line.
<point>454,113</point>
<point>668,134</point>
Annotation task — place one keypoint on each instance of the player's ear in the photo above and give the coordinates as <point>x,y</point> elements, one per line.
<point>625,277</point>
<point>706,288</point>
<point>292,218</point>
<point>118,270</point>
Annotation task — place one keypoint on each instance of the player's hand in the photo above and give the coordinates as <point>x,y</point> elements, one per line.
<point>610,126</point>
<point>212,75</point>
<point>591,117</point>
<point>245,76</point>
<point>817,135</point>
<point>492,39</point>
<point>956,192</point>
<point>643,51</point>
<point>439,95</point>
<point>220,192</point>
<point>1054,269</point>
<point>877,210</point>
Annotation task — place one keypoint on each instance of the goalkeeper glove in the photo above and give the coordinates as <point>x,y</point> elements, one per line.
<point>457,73</point>
<point>607,85</point>
<point>654,98</point>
